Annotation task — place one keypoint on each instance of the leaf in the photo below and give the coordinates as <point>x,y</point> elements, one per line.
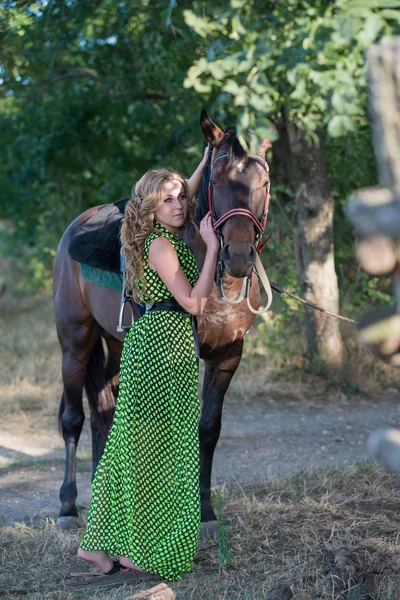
<point>232,87</point>
<point>346,26</point>
<point>244,120</point>
<point>345,101</point>
<point>363,4</point>
<point>322,78</point>
<point>199,25</point>
<point>261,103</point>
<point>216,69</point>
<point>292,76</point>
<point>389,3</point>
<point>300,90</point>
<point>360,11</point>
<point>373,25</point>
<point>391,15</point>
<point>340,125</point>
<point>267,132</point>
<point>237,28</point>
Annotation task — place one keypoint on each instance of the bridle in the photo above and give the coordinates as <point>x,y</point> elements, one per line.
<point>259,225</point>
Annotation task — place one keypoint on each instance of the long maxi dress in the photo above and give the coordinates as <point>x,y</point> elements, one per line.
<point>145,492</point>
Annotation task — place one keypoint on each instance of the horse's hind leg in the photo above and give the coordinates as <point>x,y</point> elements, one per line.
<point>218,375</point>
<point>76,350</point>
<point>110,390</point>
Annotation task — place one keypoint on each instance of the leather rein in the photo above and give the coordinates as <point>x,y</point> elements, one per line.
<point>259,225</point>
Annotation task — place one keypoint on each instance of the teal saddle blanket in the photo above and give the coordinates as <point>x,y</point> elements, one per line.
<point>106,279</point>
<point>100,277</point>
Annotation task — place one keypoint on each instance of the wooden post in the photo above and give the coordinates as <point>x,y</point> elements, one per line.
<point>374,212</point>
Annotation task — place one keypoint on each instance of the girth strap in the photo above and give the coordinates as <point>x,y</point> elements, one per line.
<point>170,304</point>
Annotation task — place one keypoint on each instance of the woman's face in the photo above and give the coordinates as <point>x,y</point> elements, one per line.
<point>173,208</point>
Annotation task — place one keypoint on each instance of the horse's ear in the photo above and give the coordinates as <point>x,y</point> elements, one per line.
<point>211,131</point>
<point>265,145</point>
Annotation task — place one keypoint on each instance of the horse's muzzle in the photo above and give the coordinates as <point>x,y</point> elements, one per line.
<point>239,258</point>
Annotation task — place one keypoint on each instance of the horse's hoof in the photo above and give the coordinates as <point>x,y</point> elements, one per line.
<point>208,530</point>
<point>68,523</point>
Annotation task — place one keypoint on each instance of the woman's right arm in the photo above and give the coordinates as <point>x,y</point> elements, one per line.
<point>164,259</point>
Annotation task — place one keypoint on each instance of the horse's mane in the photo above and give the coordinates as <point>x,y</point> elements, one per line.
<point>235,154</point>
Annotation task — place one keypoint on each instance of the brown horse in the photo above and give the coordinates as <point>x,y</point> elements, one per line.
<point>236,188</point>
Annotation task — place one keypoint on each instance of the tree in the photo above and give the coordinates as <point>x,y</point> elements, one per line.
<point>90,98</point>
<point>297,68</point>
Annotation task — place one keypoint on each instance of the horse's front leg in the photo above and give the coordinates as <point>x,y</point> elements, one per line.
<point>219,372</point>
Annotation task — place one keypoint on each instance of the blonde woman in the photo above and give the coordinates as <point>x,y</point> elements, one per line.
<point>145,506</point>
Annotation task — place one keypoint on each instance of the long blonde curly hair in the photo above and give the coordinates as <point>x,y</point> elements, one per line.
<point>138,223</point>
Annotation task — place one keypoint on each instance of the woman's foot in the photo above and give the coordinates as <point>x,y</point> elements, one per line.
<point>100,559</point>
<point>128,564</point>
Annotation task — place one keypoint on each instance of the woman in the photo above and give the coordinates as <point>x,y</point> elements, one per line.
<point>145,496</point>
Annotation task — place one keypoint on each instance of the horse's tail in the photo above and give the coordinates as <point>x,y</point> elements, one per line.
<point>99,390</point>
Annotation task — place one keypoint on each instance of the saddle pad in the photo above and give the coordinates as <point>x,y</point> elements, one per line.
<point>96,241</point>
<point>108,280</point>
<point>101,277</point>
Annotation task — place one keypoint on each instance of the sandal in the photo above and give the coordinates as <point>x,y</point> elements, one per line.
<point>116,568</point>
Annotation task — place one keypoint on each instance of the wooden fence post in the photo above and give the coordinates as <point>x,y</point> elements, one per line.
<point>375,212</point>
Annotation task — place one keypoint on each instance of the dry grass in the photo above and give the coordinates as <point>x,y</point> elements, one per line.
<point>280,532</point>
<point>29,361</point>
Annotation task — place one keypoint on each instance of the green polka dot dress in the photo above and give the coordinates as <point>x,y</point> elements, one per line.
<point>146,493</point>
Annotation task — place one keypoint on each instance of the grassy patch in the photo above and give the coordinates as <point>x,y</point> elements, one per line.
<point>280,532</point>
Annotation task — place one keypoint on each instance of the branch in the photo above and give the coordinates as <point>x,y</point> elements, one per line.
<point>78,72</point>
<point>92,74</point>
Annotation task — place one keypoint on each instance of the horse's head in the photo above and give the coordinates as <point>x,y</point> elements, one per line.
<point>238,196</point>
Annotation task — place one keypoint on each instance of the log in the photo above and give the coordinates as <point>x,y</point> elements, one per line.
<point>159,592</point>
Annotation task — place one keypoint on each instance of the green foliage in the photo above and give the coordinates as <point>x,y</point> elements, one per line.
<point>91,97</point>
<point>306,57</point>
<point>92,94</point>
<point>306,61</point>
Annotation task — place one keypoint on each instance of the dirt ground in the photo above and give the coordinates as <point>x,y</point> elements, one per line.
<point>265,434</point>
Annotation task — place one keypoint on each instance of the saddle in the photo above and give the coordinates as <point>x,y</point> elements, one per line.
<point>96,241</point>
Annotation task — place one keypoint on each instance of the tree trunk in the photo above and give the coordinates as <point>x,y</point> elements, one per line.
<point>314,245</point>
